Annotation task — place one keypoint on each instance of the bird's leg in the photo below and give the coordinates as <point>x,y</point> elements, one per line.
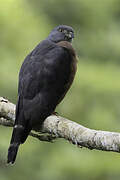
<point>41,137</point>
<point>55,113</point>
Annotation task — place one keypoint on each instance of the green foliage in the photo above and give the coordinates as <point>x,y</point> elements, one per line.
<point>93,99</point>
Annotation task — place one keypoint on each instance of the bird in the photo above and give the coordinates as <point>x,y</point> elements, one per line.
<point>44,79</point>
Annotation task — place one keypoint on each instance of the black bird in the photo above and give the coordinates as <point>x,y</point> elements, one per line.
<point>45,77</point>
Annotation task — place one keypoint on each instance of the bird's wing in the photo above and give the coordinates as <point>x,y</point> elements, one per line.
<point>32,70</point>
<point>42,80</point>
<point>42,70</point>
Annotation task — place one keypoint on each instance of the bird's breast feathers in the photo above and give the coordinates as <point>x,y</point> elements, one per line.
<point>71,50</point>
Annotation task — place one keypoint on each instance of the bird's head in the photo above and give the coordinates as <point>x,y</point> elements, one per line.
<point>61,33</point>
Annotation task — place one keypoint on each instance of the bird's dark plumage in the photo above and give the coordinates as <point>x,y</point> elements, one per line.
<point>45,77</point>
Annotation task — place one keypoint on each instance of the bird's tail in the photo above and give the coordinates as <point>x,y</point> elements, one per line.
<point>12,153</point>
<point>15,142</point>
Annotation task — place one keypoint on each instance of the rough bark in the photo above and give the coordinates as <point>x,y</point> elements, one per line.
<point>59,127</point>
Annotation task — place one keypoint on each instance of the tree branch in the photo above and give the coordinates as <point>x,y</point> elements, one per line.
<point>59,127</point>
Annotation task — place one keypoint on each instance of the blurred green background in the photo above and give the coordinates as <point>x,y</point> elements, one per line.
<point>94,99</point>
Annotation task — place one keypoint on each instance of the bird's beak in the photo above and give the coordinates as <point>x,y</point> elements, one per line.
<point>70,35</point>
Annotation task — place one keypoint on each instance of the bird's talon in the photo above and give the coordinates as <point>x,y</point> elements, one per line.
<point>55,113</point>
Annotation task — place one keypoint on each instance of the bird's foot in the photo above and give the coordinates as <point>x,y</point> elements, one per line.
<point>41,137</point>
<point>55,113</point>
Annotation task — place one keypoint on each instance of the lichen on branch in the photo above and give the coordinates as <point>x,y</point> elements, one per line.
<point>59,127</point>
